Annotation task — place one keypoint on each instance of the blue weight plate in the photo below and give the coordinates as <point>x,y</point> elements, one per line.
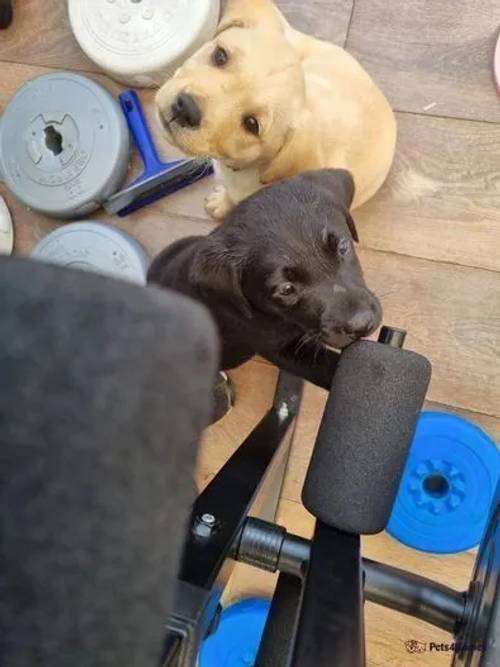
<point>448,485</point>
<point>237,640</point>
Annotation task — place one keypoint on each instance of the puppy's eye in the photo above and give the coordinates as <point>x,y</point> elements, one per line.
<point>251,124</point>
<point>344,247</point>
<point>287,289</point>
<point>220,57</point>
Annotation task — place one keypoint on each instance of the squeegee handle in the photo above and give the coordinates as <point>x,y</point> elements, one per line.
<point>138,126</point>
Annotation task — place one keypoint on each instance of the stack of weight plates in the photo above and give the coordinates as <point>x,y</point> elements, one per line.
<point>142,42</point>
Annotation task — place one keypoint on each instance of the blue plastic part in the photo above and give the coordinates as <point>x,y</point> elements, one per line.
<point>191,170</point>
<point>138,125</point>
<point>447,487</point>
<point>237,640</point>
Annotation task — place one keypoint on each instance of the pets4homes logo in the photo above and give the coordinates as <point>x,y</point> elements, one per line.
<point>415,646</point>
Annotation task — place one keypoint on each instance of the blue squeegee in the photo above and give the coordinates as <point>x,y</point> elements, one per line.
<point>159,179</point>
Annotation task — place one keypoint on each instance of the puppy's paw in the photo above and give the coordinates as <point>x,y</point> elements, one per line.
<point>218,204</point>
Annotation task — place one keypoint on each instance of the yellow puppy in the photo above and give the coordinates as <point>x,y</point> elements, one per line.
<point>267,102</point>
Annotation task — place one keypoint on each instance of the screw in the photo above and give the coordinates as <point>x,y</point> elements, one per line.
<point>208,519</point>
<point>283,411</point>
<point>204,525</point>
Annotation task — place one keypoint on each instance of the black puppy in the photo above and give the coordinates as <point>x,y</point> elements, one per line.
<point>280,275</point>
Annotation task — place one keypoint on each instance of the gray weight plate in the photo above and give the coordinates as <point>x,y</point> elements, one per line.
<point>97,247</point>
<point>64,145</point>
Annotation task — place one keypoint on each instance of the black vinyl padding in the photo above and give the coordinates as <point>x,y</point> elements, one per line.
<point>105,388</point>
<point>365,435</point>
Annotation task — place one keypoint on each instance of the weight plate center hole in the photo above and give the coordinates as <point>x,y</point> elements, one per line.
<point>436,486</point>
<point>53,140</point>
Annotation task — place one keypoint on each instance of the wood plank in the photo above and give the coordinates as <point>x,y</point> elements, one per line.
<point>430,57</point>
<point>14,75</point>
<point>326,19</point>
<point>442,198</point>
<point>254,385</point>
<point>452,315</point>
<point>248,582</point>
<point>388,631</point>
<point>41,35</point>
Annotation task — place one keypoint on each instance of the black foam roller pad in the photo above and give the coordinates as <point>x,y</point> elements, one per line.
<point>365,435</point>
<point>104,390</point>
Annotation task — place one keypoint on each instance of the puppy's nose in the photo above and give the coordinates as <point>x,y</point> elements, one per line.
<point>362,324</point>
<point>186,111</point>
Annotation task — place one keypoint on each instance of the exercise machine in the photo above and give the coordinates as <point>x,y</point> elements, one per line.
<point>108,558</point>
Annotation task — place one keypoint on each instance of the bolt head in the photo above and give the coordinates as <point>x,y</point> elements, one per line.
<point>204,525</point>
<point>208,519</point>
<point>283,411</point>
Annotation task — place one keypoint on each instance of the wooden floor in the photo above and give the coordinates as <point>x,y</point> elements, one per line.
<point>430,238</point>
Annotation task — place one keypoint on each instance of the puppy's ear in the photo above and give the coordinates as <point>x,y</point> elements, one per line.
<point>352,226</point>
<point>246,13</point>
<point>215,270</point>
<point>339,184</point>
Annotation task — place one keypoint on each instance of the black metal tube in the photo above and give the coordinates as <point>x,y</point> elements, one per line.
<point>392,336</point>
<point>416,596</point>
<point>269,547</point>
<point>294,555</point>
<point>260,544</point>
<point>388,586</point>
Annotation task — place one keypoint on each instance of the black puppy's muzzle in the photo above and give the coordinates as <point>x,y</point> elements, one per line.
<point>186,111</point>
<point>356,315</point>
<point>361,325</point>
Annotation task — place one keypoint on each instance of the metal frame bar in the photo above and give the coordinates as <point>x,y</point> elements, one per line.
<point>248,483</point>
<point>279,633</point>
<point>331,620</point>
